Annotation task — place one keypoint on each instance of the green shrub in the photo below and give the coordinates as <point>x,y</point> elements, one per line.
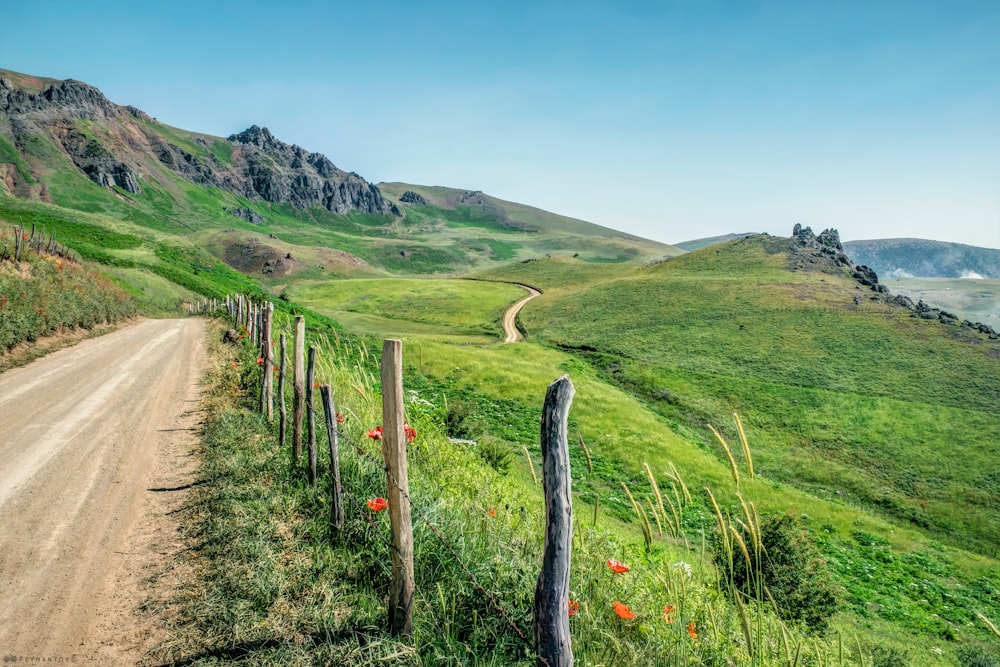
<point>976,656</point>
<point>789,568</point>
<point>889,656</point>
<point>495,454</point>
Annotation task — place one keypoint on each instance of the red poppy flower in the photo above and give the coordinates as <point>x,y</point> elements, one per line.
<point>233,364</point>
<point>623,611</point>
<point>411,433</point>
<point>617,567</point>
<point>492,512</point>
<point>375,433</point>
<point>668,613</point>
<point>260,361</point>
<point>377,504</point>
<point>340,418</point>
<point>694,635</point>
<point>574,606</point>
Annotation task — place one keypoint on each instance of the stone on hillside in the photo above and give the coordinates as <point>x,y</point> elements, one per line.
<point>411,197</point>
<point>865,276</point>
<point>904,301</point>
<point>247,214</point>
<point>830,238</point>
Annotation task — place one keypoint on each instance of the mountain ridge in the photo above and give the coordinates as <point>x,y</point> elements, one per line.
<point>253,163</point>
<point>925,258</point>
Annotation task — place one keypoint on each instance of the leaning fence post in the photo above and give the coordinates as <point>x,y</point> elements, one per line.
<point>336,494</point>
<point>551,619</point>
<point>398,493</point>
<point>298,386</point>
<point>283,411</point>
<point>311,412</point>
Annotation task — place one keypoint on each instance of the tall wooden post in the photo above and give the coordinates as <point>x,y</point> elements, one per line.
<point>398,493</point>
<point>298,386</point>
<point>551,621</point>
<point>311,413</point>
<point>336,493</point>
<point>283,411</point>
<point>267,352</point>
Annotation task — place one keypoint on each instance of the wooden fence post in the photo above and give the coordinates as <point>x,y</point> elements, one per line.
<point>336,494</point>
<point>311,412</point>
<point>267,352</point>
<point>283,411</point>
<point>551,619</point>
<point>298,386</point>
<point>398,492</point>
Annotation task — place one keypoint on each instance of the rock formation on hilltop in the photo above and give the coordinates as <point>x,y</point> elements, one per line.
<point>411,197</point>
<point>825,252</point>
<point>118,147</point>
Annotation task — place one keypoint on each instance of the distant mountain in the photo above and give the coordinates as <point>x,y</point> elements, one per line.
<point>908,258</point>
<point>698,244</point>
<point>269,209</point>
<point>45,122</point>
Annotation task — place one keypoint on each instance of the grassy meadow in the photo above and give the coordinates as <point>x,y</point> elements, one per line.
<point>887,550</point>
<point>874,432</point>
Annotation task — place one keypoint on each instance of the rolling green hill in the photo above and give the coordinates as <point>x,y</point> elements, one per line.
<point>877,428</point>
<point>271,210</point>
<point>854,406</point>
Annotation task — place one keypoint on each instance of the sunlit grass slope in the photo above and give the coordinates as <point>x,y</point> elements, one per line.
<point>877,409</point>
<point>411,306</point>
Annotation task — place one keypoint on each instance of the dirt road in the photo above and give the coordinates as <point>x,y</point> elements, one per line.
<point>511,334</point>
<point>96,445</point>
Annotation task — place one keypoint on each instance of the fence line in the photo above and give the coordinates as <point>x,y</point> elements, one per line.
<point>394,439</point>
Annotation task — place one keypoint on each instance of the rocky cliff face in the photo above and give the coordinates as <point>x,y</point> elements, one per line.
<point>280,173</point>
<point>118,146</point>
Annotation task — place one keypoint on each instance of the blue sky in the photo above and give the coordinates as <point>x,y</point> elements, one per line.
<point>670,120</point>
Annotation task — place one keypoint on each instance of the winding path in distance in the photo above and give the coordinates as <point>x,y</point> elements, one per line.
<point>511,334</point>
<point>96,445</point>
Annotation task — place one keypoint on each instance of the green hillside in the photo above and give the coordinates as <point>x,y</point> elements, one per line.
<point>850,406</point>
<point>877,430</point>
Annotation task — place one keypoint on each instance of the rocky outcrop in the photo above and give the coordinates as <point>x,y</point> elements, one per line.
<point>247,214</point>
<point>411,197</point>
<point>286,174</point>
<point>65,99</point>
<point>826,247</point>
<point>98,163</point>
<point>120,144</point>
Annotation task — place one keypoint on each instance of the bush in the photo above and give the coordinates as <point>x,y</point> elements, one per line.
<point>789,567</point>
<point>889,656</point>
<point>976,656</point>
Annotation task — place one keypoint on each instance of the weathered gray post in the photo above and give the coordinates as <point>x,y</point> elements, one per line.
<point>298,386</point>
<point>283,411</point>
<point>336,494</point>
<point>398,489</point>
<point>551,618</point>
<point>311,412</point>
<point>267,352</point>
